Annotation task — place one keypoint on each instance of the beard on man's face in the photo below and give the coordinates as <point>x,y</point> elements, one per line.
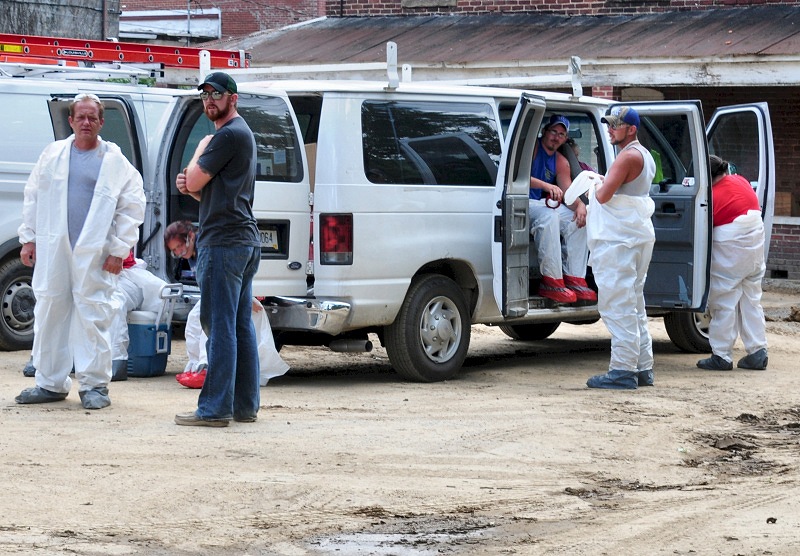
<point>215,111</point>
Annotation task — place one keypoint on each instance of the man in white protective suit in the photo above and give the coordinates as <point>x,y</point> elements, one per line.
<point>83,206</point>
<point>737,268</point>
<point>621,239</point>
<point>270,362</point>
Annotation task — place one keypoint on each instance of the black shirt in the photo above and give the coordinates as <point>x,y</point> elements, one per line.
<point>226,202</point>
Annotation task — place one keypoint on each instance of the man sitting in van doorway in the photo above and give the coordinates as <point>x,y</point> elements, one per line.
<point>564,282</point>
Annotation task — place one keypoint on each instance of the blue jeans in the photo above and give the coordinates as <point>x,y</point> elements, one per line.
<point>225,275</point>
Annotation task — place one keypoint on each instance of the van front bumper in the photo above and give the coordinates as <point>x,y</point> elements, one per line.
<point>328,316</point>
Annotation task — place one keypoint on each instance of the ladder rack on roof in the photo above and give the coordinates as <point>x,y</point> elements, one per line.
<point>27,55</point>
<point>43,52</point>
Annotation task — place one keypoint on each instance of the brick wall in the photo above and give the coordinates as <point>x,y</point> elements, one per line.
<point>784,250</point>
<point>602,92</point>
<point>334,8</point>
<point>242,18</point>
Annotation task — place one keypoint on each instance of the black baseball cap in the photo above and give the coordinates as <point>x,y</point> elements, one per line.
<point>221,82</point>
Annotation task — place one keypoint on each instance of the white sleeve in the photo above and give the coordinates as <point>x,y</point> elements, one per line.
<point>27,230</point>
<point>129,214</point>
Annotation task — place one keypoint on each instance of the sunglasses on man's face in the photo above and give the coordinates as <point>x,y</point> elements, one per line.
<point>215,95</point>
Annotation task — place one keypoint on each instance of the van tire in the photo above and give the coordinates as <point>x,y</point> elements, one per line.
<point>529,332</point>
<point>428,340</point>
<point>16,326</point>
<point>688,331</point>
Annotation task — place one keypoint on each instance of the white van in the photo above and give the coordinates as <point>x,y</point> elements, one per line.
<point>402,211</point>
<point>36,114</point>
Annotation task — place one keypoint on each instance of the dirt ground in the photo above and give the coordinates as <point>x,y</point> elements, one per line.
<point>515,456</point>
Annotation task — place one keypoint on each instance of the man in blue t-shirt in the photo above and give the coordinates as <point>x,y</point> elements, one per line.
<point>562,281</point>
<point>221,175</point>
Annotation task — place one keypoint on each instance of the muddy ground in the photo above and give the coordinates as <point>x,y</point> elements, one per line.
<point>515,456</point>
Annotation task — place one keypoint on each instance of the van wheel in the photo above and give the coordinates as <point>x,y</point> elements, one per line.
<point>688,331</point>
<point>529,332</point>
<point>16,327</point>
<point>428,340</point>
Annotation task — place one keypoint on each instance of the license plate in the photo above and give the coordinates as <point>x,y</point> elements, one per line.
<point>269,239</point>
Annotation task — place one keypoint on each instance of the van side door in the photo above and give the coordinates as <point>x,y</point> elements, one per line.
<point>511,226</point>
<point>674,133</point>
<point>742,135</point>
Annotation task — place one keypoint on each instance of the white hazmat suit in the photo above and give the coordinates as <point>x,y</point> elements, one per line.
<point>73,310</point>
<point>575,251</point>
<point>138,290</point>
<point>271,363</point>
<point>545,229</point>
<point>734,298</point>
<point>621,238</point>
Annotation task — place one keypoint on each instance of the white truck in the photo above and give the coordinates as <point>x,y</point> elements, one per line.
<point>395,209</point>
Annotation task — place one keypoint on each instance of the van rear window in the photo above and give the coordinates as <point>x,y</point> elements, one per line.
<point>430,143</point>
<point>279,156</point>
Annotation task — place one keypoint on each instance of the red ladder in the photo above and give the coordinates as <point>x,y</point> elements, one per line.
<point>53,50</point>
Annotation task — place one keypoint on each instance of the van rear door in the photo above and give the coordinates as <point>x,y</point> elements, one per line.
<point>511,234</point>
<point>673,131</point>
<point>742,135</point>
<point>282,191</point>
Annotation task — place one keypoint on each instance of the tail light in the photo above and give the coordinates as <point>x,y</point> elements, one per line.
<point>336,239</point>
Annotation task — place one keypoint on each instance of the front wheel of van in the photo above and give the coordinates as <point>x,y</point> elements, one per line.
<point>428,340</point>
<point>16,327</point>
<point>688,331</point>
<point>529,332</point>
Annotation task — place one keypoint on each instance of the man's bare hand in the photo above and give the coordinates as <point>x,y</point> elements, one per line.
<point>201,146</point>
<point>28,254</point>
<point>113,264</point>
<point>555,192</point>
<point>180,182</point>
<point>580,214</point>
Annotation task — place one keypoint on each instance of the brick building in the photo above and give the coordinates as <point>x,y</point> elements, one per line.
<point>238,18</point>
